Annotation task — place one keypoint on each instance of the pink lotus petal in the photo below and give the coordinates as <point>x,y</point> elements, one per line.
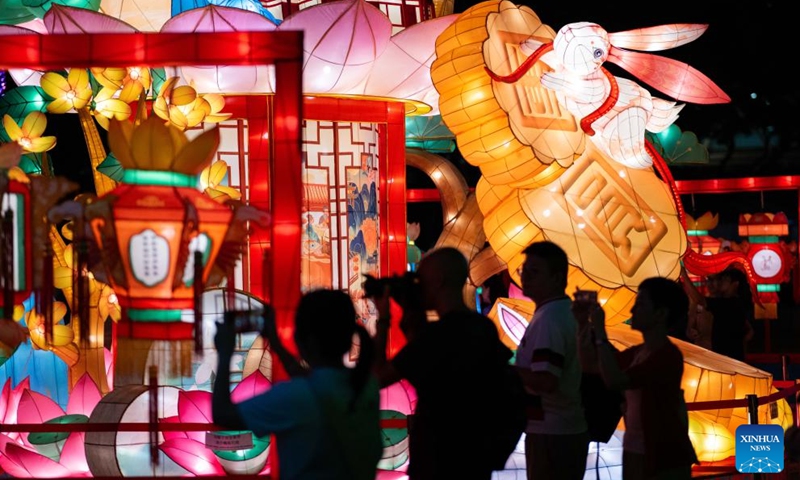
<point>12,407</point>
<point>34,464</point>
<point>7,465</point>
<point>341,41</point>
<point>63,19</point>
<point>195,407</point>
<point>512,322</point>
<point>37,408</point>
<point>400,397</point>
<point>193,456</point>
<point>73,455</point>
<point>254,384</point>
<point>5,397</point>
<point>171,435</point>
<point>391,475</point>
<point>84,396</point>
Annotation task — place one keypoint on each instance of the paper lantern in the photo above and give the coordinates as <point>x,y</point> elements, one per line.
<point>16,201</point>
<point>150,226</point>
<point>614,112</point>
<point>362,34</point>
<point>471,110</point>
<point>223,79</point>
<point>619,225</point>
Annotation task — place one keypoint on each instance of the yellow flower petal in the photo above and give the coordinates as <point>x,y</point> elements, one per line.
<point>62,335</point>
<point>102,121</point>
<point>82,99</point>
<point>68,353</point>
<point>54,84</point>
<point>177,118</point>
<point>183,95</point>
<point>166,87</point>
<point>115,108</point>
<point>215,100</point>
<point>104,94</point>
<point>194,118</point>
<point>215,174</point>
<point>151,145</point>
<point>202,105</point>
<point>16,173</point>
<point>217,118</point>
<point>62,277</point>
<point>34,124</point>
<point>161,108</point>
<point>130,91</point>
<point>120,134</point>
<point>19,312</point>
<point>59,105</point>
<point>229,191</point>
<point>12,129</point>
<point>78,79</point>
<point>41,144</point>
<point>198,153</point>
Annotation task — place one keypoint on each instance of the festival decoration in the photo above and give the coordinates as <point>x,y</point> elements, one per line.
<point>45,455</point>
<point>212,181</point>
<point>184,108</point>
<point>429,133</point>
<point>151,227</point>
<point>769,257</point>
<point>606,105</point>
<point>29,135</point>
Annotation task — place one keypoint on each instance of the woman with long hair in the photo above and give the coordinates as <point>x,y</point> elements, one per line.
<point>326,417</point>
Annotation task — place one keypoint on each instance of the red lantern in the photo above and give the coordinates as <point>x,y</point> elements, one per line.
<point>150,227</point>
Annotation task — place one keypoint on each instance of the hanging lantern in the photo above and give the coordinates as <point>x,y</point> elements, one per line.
<point>16,242</point>
<point>152,228</point>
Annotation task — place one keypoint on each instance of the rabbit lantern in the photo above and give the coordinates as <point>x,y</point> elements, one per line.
<point>617,111</point>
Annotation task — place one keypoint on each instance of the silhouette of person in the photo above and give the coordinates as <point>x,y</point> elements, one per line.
<point>656,443</point>
<point>557,439</point>
<point>455,364</point>
<point>326,418</point>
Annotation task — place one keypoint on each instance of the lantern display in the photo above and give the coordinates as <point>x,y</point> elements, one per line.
<point>768,256</point>
<point>152,227</point>
<point>16,234</point>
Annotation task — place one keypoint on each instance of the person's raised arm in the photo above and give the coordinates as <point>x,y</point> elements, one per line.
<point>223,410</point>
<point>613,376</point>
<point>293,366</point>
<point>694,295</point>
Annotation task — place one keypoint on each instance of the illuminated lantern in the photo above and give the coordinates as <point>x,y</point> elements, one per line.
<point>767,256</point>
<point>16,201</point>
<point>697,233</point>
<point>151,226</point>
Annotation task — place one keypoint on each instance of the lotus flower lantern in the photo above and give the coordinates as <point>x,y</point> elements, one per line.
<point>150,228</point>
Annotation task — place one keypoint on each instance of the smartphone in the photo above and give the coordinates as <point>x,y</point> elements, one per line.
<point>586,296</point>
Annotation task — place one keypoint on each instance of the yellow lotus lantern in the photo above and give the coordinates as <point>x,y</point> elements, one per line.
<point>150,228</point>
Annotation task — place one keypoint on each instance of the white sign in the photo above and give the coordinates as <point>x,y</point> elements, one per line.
<point>241,441</point>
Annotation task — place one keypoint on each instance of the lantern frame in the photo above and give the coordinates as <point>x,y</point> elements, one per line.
<point>22,253</point>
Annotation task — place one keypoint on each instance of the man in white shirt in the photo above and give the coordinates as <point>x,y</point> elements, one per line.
<point>556,441</point>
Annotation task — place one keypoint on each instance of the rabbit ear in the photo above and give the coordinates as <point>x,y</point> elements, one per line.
<point>661,37</point>
<point>677,79</point>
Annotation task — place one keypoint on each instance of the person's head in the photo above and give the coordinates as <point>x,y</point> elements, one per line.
<point>442,274</point>
<point>544,272</point>
<point>660,304</point>
<point>733,283</point>
<point>712,285</point>
<point>325,324</point>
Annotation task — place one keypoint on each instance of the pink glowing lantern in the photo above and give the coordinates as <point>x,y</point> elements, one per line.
<point>63,19</point>
<point>222,79</point>
<point>341,42</point>
<point>412,50</point>
<point>46,454</point>
<point>189,450</point>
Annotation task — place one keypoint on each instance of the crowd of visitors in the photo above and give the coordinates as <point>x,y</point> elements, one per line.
<point>325,418</point>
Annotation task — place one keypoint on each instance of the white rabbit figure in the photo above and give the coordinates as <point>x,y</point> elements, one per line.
<point>617,111</point>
